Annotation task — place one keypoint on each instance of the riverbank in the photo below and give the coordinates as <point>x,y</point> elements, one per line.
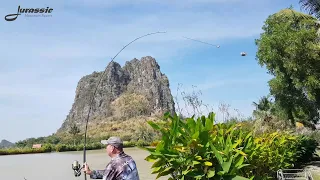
<point>46,148</point>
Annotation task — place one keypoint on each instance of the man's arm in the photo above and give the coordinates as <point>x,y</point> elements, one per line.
<point>96,174</point>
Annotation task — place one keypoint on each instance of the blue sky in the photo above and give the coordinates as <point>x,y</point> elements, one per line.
<point>42,59</point>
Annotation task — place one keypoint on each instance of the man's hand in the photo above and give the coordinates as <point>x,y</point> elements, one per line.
<point>86,169</point>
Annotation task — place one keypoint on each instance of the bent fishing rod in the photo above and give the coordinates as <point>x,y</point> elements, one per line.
<point>76,166</point>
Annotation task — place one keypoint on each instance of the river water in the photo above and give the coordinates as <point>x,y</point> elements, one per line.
<point>57,165</point>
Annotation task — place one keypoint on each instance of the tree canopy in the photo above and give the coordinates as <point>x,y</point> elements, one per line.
<point>289,49</point>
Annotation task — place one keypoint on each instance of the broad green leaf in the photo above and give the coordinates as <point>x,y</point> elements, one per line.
<point>156,170</point>
<point>165,172</point>
<point>195,135</point>
<point>195,173</point>
<point>211,173</point>
<point>186,171</point>
<point>151,158</point>
<point>156,154</point>
<point>154,125</point>
<point>171,155</point>
<point>203,120</point>
<point>239,161</point>
<point>241,152</point>
<point>160,162</point>
<point>209,124</point>
<point>243,165</point>
<point>239,178</point>
<point>226,165</point>
<point>195,162</point>
<point>198,158</point>
<point>217,154</point>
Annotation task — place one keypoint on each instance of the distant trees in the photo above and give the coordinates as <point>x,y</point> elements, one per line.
<point>52,139</point>
<point>74,131</point>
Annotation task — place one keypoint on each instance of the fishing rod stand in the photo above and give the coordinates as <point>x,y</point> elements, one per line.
<point>76,168</point>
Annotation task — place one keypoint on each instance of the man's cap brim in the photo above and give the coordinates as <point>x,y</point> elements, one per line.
<point>105,142</point>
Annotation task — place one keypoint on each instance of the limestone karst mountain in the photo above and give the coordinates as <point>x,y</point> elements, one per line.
<point>138,88</point>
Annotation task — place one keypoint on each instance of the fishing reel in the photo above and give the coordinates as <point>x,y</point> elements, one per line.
<point>76,167</point>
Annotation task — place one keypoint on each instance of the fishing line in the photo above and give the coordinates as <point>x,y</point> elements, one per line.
<point>75,166</point>
<point>202,42</point>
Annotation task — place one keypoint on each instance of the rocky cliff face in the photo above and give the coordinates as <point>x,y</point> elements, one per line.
<point>142,77</point>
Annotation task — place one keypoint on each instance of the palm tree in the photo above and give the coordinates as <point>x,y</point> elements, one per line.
<point>311,6</point>
<point>264,104</point>
<point>264,108</point>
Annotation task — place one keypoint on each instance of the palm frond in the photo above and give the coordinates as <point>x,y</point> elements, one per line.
<point>311,6</point>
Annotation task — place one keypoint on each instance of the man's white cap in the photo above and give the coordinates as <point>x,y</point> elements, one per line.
<point>114,141</point>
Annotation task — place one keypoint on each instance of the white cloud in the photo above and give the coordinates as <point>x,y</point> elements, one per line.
<point>105,40</point>
<point>175,3</point>
<point>43,58</point>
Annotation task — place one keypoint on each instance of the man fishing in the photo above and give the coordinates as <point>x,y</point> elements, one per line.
<point>121,166</point>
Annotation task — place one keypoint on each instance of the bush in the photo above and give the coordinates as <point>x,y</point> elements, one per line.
<point>94,146</point>
<point>61,148</point>
<point>198,148</point>
<point>126,137</point>
<point>142,143</point>
<point>272,151</point>
<point>13,151</point>
<point>129,144</point>
<point>306,148</point>
<point>79,147</point>
<point>47,148</point>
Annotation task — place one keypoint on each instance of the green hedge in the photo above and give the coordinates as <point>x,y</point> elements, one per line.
<point>11,151</point>
<point>65,147</point>
<point>306,148</point>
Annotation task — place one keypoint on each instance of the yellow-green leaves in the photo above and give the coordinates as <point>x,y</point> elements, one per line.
<point>199,149</point>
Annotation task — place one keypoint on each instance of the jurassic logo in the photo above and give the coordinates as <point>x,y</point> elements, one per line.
<point>30,12</point>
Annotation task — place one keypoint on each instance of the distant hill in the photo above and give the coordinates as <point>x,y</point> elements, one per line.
<point>5,144</point>
<point>138,88</point>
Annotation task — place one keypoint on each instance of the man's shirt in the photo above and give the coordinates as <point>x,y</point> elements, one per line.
<point>121,167</point>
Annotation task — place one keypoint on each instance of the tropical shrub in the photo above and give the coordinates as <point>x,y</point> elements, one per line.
<point>279,150</point>
<point>198,149</point>
<point>272,151</point>
<point>306,148</point>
